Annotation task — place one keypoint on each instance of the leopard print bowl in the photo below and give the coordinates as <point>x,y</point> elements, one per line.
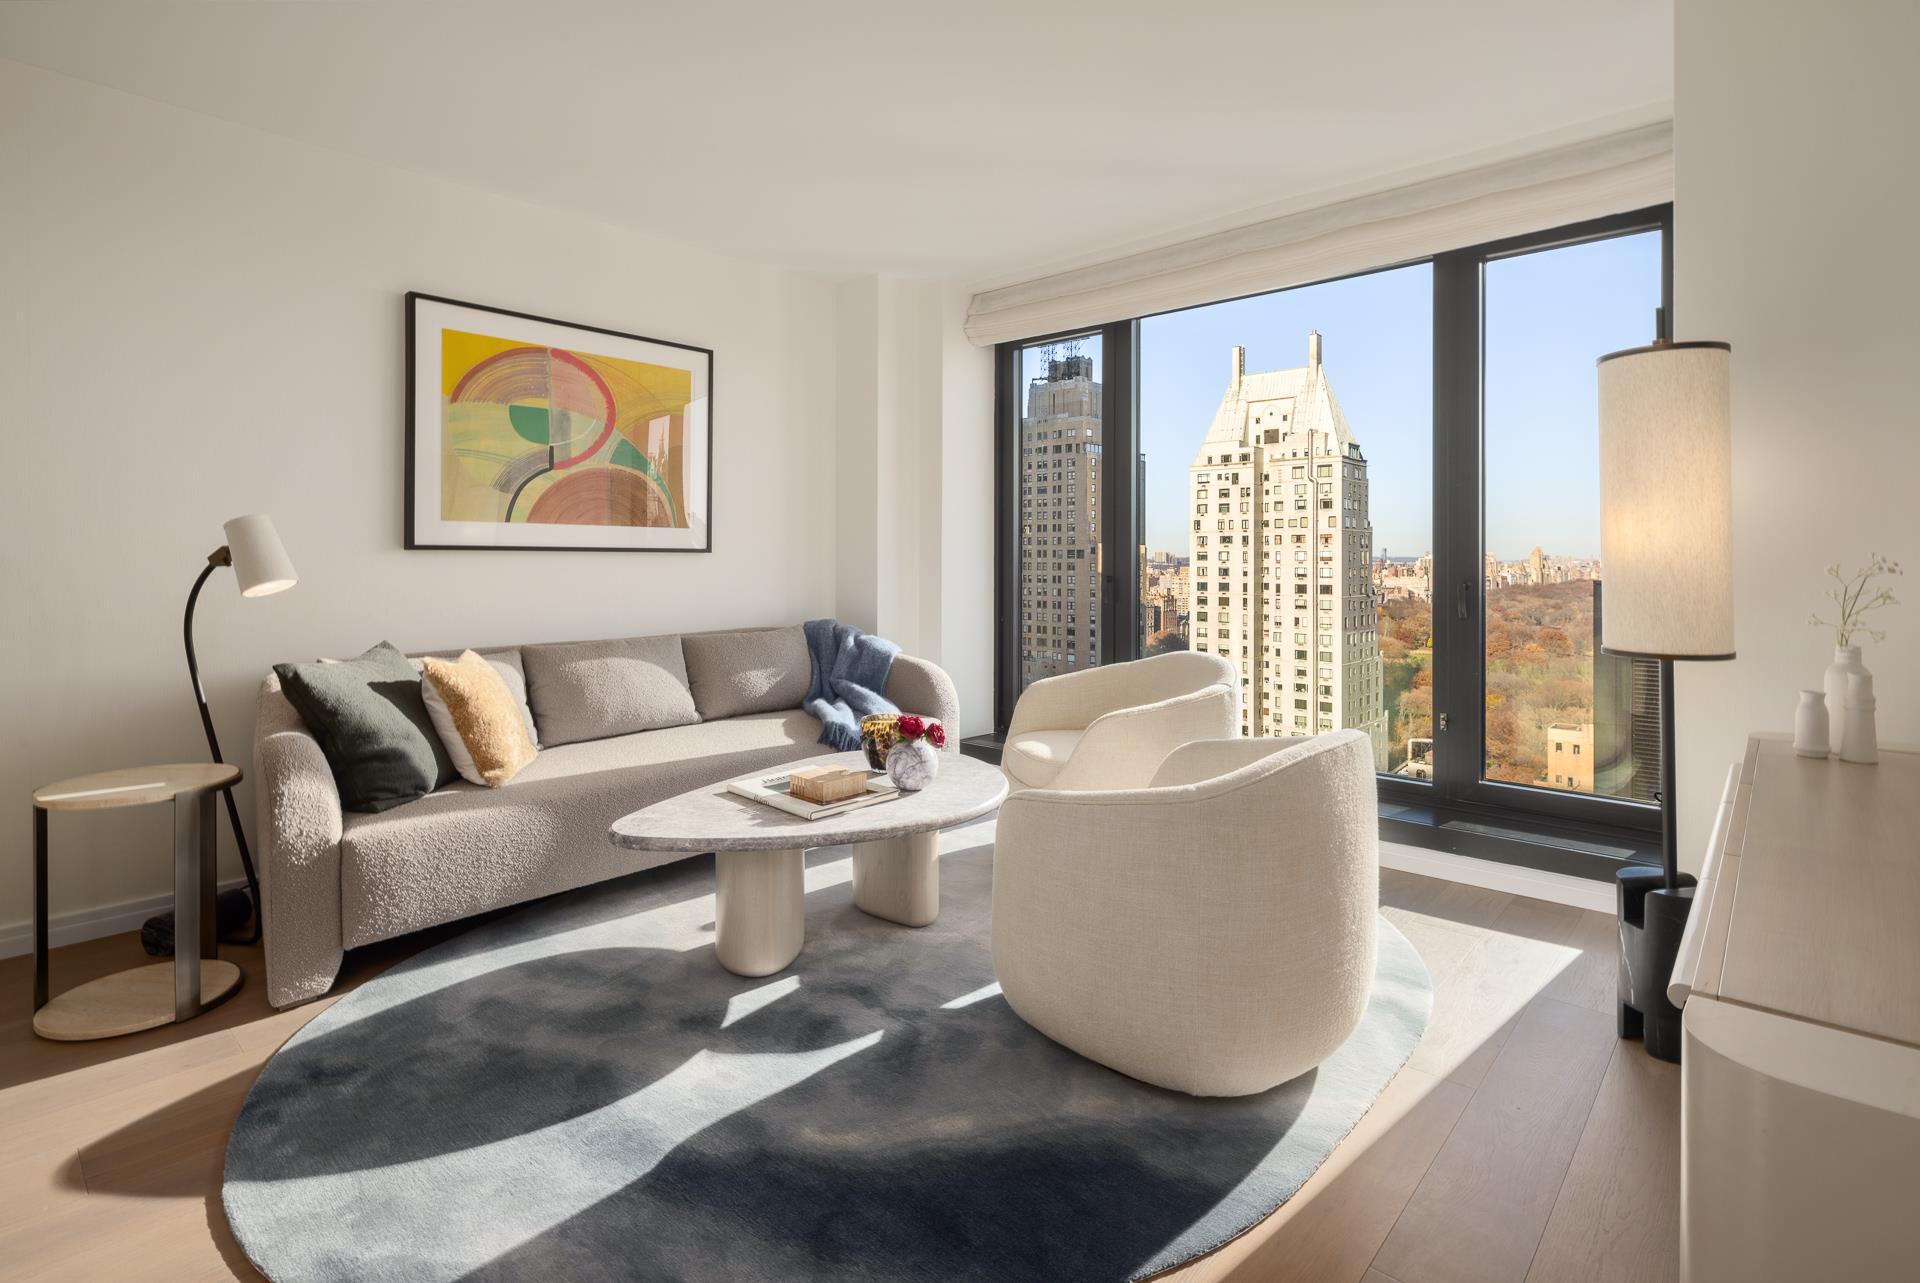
<point>878,735</point>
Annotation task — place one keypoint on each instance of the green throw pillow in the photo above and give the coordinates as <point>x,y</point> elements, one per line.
<point>372,724</point>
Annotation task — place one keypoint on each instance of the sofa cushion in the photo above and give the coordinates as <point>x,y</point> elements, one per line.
<point>760,670</point>
<point>1035,757</point>
<point>464,849</point>
<point>597,689</point>
<point>372,724</point>
<point>481,724</point>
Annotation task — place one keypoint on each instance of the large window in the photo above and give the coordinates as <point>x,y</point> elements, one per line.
<point>1376,497</point>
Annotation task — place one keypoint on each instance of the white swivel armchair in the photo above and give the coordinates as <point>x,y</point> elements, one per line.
<point>1111,727</point>
<point>1212,932</point>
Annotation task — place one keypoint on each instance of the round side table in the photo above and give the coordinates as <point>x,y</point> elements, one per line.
<point>144,997</point>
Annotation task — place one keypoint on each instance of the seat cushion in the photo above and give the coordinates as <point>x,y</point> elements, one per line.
<point>1037,756</point>
<point>464,849</point>
<point>758,670</point>
<point>597,689</point>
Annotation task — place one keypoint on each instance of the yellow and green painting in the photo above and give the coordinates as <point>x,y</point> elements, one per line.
<point>560,436</point>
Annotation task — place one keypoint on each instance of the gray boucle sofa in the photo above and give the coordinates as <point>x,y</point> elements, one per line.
<point>331,881</point>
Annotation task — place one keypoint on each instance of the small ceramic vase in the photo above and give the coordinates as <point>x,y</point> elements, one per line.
<point>1846,661</point>
<point>1810,725</point>
<point>1862,743</point>
<point>912,765</point>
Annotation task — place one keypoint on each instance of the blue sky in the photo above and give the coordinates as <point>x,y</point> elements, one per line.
<point>1548,316</point>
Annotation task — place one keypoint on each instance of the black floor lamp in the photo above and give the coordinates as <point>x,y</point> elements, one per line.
<point>261,568</point>
<point>1666,551</point>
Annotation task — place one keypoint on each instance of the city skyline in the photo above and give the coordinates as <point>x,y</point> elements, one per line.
<point>1541,412</point>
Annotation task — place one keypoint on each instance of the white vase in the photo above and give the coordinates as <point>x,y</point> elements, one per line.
<point>1810,725</point>
<point>1846,661</point>
<point>1862,743</point>
<point>912,765</point>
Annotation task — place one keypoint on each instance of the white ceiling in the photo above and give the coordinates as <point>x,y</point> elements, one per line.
<point>982,139</point>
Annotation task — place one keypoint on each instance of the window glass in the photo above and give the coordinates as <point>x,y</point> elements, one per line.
<point>1559,715</point>
<point>1060,549</point>
<point>1287,455</point>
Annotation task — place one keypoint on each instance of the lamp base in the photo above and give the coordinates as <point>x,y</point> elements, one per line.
<point>1651,920</point>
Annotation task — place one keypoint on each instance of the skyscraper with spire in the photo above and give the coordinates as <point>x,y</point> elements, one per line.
<point>1282,549</point>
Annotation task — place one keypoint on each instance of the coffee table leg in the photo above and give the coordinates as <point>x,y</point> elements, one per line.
<point>760,914</point>
<point>899,878</point>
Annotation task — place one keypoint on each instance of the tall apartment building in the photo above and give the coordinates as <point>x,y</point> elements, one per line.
<point>1060,520</point>
<point>1282,556</point>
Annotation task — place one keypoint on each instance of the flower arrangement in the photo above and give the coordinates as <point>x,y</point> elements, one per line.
<point>911,727</point>
<point>914,761</point>
<point>1854,597</point>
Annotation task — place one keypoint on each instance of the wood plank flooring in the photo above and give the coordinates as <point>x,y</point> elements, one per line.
<point>1523,1143</point>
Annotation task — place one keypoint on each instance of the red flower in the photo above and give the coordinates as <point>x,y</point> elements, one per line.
<point>910,726</point>
<point>936,735</point>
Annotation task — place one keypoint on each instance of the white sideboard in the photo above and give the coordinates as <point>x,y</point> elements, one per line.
<point>1799,982</point>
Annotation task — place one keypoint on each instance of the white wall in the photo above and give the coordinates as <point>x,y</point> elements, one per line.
<point>1795,202</point>
<point>915,443</point>
<point>199,320</point>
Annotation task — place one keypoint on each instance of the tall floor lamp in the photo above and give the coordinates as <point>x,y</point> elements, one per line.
<point>261,567</point>
<point>1666,550</point>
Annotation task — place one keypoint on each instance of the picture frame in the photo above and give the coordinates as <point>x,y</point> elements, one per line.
<point>527,432</point>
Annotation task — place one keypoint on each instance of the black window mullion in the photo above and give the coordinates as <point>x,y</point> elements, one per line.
<point>1459,614</point>
<point>1006,528</point>
<point>1120,498</point>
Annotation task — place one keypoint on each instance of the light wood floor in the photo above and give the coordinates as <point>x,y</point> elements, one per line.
<point>1523,1144</point>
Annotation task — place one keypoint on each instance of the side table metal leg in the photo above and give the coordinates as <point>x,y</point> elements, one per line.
<point>39,907</point>
<point>209,857</point>
<point>186,906</point>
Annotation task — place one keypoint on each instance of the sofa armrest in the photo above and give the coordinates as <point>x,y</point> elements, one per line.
<point>922,686</point>
<point>297,848</point>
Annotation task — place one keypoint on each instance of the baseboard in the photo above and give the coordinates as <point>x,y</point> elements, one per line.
<point>1581,893</point>
<point>16,938</point>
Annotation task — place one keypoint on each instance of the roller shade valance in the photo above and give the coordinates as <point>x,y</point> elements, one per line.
<point>1608,175</point>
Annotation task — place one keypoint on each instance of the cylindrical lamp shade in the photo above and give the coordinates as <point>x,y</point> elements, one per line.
<point>259,562</point>
<point>1666,501</point>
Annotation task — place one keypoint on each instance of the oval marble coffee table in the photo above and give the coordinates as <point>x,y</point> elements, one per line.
<point>759,865</point>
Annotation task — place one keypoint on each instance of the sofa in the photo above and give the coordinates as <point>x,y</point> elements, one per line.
<point>713,705</point>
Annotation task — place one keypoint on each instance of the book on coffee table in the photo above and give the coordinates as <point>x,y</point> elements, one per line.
<point>771,790</point>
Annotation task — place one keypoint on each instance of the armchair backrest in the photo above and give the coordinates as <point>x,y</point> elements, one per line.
<point>1072,700</point>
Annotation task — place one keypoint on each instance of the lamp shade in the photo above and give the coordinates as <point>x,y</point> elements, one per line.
<point>1666,501</point>
<point>259,561</point>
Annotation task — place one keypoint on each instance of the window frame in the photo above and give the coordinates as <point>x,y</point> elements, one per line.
<point>1559,831</point>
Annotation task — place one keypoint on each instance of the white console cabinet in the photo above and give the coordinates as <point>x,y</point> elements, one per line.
<point>1799,981</point>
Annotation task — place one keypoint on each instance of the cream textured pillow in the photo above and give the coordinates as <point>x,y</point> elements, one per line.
<point>477,718</point>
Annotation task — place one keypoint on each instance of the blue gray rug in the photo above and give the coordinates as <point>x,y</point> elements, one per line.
<point>578,1092</point>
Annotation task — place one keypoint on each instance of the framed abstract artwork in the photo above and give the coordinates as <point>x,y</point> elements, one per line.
<point>525,432</point>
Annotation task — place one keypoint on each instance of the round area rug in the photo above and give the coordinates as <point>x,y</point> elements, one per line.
<point>578,1091</point>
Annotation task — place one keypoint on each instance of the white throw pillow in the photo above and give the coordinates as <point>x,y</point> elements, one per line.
<point>450,736</point>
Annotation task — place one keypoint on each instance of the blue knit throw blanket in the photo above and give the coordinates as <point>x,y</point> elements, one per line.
<point>849,671</point>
